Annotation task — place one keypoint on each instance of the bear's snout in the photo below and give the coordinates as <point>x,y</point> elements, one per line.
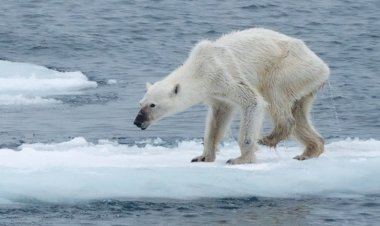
<point>140,119</point>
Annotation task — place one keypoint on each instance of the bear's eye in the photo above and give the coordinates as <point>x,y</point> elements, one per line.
<point>152,105</point>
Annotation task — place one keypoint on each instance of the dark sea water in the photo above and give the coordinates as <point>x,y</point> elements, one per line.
<point>134,42</point>
<point>224,211</point>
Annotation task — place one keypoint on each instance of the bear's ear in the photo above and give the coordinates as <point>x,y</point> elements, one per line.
<point>148,85</point>
<point>176,89</point>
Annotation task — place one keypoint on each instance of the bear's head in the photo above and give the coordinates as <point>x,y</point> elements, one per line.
<point>160,100</point>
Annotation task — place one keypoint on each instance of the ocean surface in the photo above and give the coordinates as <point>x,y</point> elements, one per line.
<point>71,76</point>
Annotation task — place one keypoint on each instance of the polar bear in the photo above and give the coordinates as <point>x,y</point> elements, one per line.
<point>254,71</point>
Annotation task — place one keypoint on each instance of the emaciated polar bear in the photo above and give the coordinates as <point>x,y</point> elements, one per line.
<point>251,70</point>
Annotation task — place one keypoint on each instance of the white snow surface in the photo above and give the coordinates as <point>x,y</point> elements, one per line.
<point>79,170</point>
<point>30,84</point>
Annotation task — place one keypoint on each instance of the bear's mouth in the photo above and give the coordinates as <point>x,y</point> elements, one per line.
<point>143,128</point>
<point>141,125</point>
<point>141,120</point>
<point>144,125</point>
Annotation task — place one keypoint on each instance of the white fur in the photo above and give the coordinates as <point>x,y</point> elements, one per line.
<point>250,70</point>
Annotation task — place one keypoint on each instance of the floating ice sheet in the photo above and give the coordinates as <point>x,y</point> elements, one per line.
<point>79,170</point>
<point>25,83</point>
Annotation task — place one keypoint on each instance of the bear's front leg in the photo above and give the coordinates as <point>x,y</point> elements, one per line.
<point>252,117</point>
<point>218,119</point>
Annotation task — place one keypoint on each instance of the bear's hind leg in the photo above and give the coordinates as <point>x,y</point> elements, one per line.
<point>218,119</point>
<point>304,131</point>
<point>283,125</point>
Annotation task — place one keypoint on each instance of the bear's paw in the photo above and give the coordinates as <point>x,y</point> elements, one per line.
<point>203,158</point>
<point>241,160</point>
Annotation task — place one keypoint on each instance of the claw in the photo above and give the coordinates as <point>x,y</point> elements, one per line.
<point>241,160</point>
<point>198,159</point>
<point>203,159</point>
<point>301,157</point>
<point>268,142</point>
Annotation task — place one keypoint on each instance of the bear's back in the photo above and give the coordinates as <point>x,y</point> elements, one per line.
<point>256,35</point>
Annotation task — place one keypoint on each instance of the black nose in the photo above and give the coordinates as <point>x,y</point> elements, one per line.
<point>140,118</point>
<point>138,124</point>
